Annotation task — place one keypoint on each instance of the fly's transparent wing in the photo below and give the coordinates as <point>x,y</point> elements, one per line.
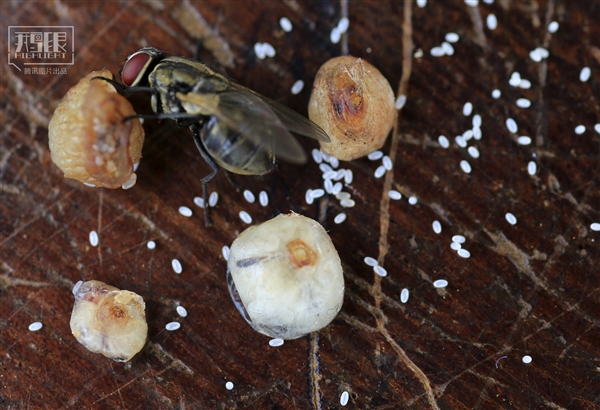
<point>290,118</point>
<point>247,113</point>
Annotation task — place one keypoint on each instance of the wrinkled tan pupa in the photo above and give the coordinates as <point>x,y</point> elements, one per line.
<point>109,321</point>
<point>354,103</point>
<point>88,139</point>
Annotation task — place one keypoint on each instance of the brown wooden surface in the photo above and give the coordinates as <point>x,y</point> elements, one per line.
<point>529,289</point>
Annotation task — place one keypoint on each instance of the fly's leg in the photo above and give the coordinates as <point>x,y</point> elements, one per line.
<point>118,86</point>
<point>232,181</point>
<point>213,165</point>
<point>199,46</point>
<point>123,89</point>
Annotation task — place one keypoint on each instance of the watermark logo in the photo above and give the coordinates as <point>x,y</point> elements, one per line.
<point>41,49</point>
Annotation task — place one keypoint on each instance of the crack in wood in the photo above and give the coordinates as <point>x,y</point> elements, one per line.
<point>315,373</point>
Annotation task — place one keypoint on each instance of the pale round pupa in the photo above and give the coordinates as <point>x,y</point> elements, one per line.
<point>286,276</point>
<point>109,321</point>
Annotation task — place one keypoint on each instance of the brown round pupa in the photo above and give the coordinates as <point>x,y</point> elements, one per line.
<point>354,103</point>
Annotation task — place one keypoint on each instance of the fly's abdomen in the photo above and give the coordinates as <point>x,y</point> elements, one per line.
<point>235,153</point>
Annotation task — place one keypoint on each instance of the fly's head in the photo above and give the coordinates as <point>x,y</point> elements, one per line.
<point>139,65</point>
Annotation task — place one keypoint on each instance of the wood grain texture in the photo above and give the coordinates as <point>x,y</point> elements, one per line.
<point>528,289</point>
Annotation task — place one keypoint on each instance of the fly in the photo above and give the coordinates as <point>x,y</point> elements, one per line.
<point>233,127</point>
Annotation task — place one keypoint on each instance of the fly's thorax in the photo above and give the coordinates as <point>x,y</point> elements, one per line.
<point>164,101</point>
<point>234,152</point>
<point>186,75</point>
<point>198,68</point>
<point>185,86</point>
<point>153,103</point>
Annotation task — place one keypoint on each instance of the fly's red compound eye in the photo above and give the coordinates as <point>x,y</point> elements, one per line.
<point>134,69</point>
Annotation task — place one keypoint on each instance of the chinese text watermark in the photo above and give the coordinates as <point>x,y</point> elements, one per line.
<point>41,49</point>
